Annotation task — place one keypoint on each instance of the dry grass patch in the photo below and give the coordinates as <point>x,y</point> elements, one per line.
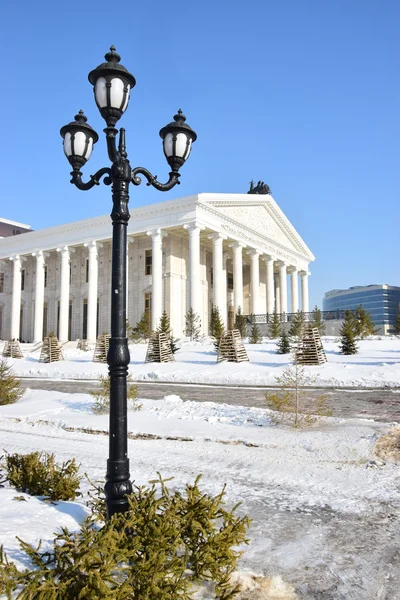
<point>388,446</point>
<point>254,587</point>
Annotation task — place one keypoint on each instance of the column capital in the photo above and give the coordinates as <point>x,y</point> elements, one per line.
<point>237,245</point>
<point>304,273</point>
<point>293,269</point>
<point>129,240</point>
<point>18,257</point>
<point>217,236</point>
<point>41,254</point>
<point>253,252</point>
<point>194,227</point>
<point>281,264</point>
<point>93,244</point>
<point>268,258</point>
<point>65,250</point>
<point>153,233</point>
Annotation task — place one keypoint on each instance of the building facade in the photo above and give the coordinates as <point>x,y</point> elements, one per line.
<point>226,250</point>
<point>382,301</point>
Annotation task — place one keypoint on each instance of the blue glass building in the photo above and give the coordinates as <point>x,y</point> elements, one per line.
<point>382,301</point>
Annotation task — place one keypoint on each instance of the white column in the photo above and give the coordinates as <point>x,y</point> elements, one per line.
<point>224,312</point>
<point>195,292</point>
<point>218,282</point>
<point>64,292</point>
<point>92,290</point>
<point>16,298</point>
<point>156,271</point>
<point>237,249</point>
<point>39,297</point>
<point>255,281</point>
<point>283,286</point>
<point>277,294</point>
<point>269,264</point>
<point>304,290</point>
<point>294,281</point>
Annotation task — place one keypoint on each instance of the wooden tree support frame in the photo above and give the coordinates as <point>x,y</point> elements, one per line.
<point>101,349</point>
<point>231,347</point>
<point>12,349</point>
<point>310,350</point>
<point>51,350</point>
<point>159,348</point>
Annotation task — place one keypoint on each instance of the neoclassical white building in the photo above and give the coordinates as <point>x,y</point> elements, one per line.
<point>226,250</point>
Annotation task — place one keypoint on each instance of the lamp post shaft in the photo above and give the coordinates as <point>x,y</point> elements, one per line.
<point>118,484</point>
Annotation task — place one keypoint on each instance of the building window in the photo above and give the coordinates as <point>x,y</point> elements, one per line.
<point>147,305</point>
<point>87,271</point>
<point>212,276</point>
<point>45,313</point>
<point>148,262</point>
<point>230,281</point>
<point>84,321</point>
<point>45,275</point>
<point>69,319</point>
<point>22,279</point>
<point>70,273</point>
<point>1,283</point>
<point>1,322</point>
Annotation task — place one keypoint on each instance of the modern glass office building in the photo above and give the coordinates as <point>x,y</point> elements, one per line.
<point>382,301</point>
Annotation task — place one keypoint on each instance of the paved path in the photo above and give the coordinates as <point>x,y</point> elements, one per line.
<point>380,405</point>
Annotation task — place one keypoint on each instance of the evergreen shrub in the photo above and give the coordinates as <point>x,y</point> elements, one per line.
<point>192,325</point>
<point>38,474</point>
<point>102,396</point>
<point>283,345</point>
<point>158,550</point>
<point>10,388</point>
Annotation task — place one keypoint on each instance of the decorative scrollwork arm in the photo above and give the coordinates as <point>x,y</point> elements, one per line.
<point>152,179</point>
<point>94,179</point>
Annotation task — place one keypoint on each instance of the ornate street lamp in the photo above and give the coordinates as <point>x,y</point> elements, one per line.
<point>112,85</point>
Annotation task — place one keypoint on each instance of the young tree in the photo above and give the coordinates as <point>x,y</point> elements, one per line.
<point>216,325</point>
<point>347,335</point>
<point>165,327</point>
<point>316,320</point>
<point>142,329</point>
<point>241,322</point>
<point>274,327</point>
<point>192,325</point>
<point>283,345</point>
<point>363,323</point>
<point>289,403</point>
<point>297,325</point>
<point>10,387</point>
<point>255,336</point>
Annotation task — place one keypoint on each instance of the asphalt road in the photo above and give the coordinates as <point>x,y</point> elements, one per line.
<point>378,404</point>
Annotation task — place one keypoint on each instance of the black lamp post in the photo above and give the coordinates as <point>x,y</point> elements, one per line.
<point>112,84</point>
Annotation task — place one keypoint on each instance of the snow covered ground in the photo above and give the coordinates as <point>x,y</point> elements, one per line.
<point>325,511</point>
<point>376,365</point>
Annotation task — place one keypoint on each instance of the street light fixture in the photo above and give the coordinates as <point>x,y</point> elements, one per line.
<point>112,85</point>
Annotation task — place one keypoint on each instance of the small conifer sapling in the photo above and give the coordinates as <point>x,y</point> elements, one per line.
<point>241,323</point>
<point>283,345</point>
<point>192,325</point>
<point>347,334</point>
<point>316,320</point>
<point>274,327</point>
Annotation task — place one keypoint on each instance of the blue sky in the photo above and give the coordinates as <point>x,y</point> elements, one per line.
<point>304,95</point>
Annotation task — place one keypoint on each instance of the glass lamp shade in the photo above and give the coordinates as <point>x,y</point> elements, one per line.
<point>177,141</point>
<point>112,85</point>
<point>79,138</point>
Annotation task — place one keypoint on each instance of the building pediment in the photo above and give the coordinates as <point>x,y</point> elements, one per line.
<point>259,215</point>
